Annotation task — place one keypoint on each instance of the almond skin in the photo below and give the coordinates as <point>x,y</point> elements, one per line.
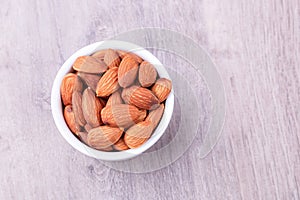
<point>91,108</point>
<point>121,115</point>
<point>127,71</point>
<point>162,88</point>
<point>155,115</point>
<point>120,145</point>
<point>108,83</point>
<point>91,80</point>
<point>89,64</point>
<point>77,108</point>
<point>140,97</point>
<point>135,57</point>
<point>69,83</point>
<point>99,55</point>
<point>114,99</point>
<point>147,74</point>
<point>83,136</point>
<point>103,137</point>
<point>70,119</point>
<point>121,53</point>
<point>112,58</point>
<point>138,134</point>
<point>87,128</point>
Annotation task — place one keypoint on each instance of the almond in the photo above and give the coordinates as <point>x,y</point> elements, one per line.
<point>87,128</point>
<point>121,115</point>
<point>77,108</point>
<point>162,88</point>
<point>135,57</point>
<point>89,64</point>
<point>67,87</point>
<point>103,137</point>
<point>70,119</point>
<point>115,98</point>
<point>83,136</point>
<point>147,74</point>
<point>138,134</point>
<point>120,145</point>
<point>143,115</point>
<point>155,115</point>
<point>99,55</point>
<point>91,80</point>
<point>108,83</point>
<point>127,71</point>
<point>121,53</point>
<point>140,97</point>
<point>112,58</point>
<point>91,108</point>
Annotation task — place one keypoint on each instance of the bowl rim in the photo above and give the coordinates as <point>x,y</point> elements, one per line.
<point>56,104</point>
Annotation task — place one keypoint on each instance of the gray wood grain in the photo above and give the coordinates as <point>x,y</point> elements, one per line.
<point>256,47</point>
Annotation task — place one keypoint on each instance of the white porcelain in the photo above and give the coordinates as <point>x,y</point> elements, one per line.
<point>56,104</point>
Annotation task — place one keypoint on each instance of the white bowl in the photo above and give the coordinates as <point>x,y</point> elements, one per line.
<point>57,111</point>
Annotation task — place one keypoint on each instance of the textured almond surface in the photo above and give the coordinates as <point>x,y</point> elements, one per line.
<point>83,136</point>
<point>127,71</point>
<point>70,119</point>
<point>140,97</point>
<point>112,58</point>
<point>155,115</point>
<point>89,64</point>
<point>77,108</point>
<point>103,137</point>
<point>99,55</point>
<point>66,88</point>
<point>115,98</point>
<point>91,80</point>
<point>91,108</point>
<point>108,83</point>
<point>121,53</point>
<point>162,88</point>
<point>147,74</point>
<point>120,145</point>
<point>121,115</point>
<point>87,128</point>
<point>138,134</point>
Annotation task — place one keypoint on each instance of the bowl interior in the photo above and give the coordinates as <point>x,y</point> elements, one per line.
<point>57,111</point>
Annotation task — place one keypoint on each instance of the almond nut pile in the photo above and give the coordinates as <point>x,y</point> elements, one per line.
<point>113,100</point>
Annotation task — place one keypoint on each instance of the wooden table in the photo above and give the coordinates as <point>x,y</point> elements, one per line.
<point>256,48</point>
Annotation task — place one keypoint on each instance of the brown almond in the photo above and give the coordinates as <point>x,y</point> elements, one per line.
<point>121,115</point>
<point>77,108</point>
<point>70,119</point>
<point>121,53</point>
<point>108,83</point>
<point>140,97</point>
<point>83,136</point>
<point>89,64</point>
<point>143,115</point>
<point>91,80</point>
<point>87,128</point>
<point>115,98</point>
<point>155,115</point>
<point>91,108</point>
<point>112,58</point>
<point>127,71</point>
<point>138,134</point>
<point>99,55</point>
<point>103,137</point>
<point>120,145</point>
<point>147,74</point>
<point>162,88</point>
<point>67,87</point>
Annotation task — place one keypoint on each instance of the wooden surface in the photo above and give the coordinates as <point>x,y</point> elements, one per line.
<point>256,47</point>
